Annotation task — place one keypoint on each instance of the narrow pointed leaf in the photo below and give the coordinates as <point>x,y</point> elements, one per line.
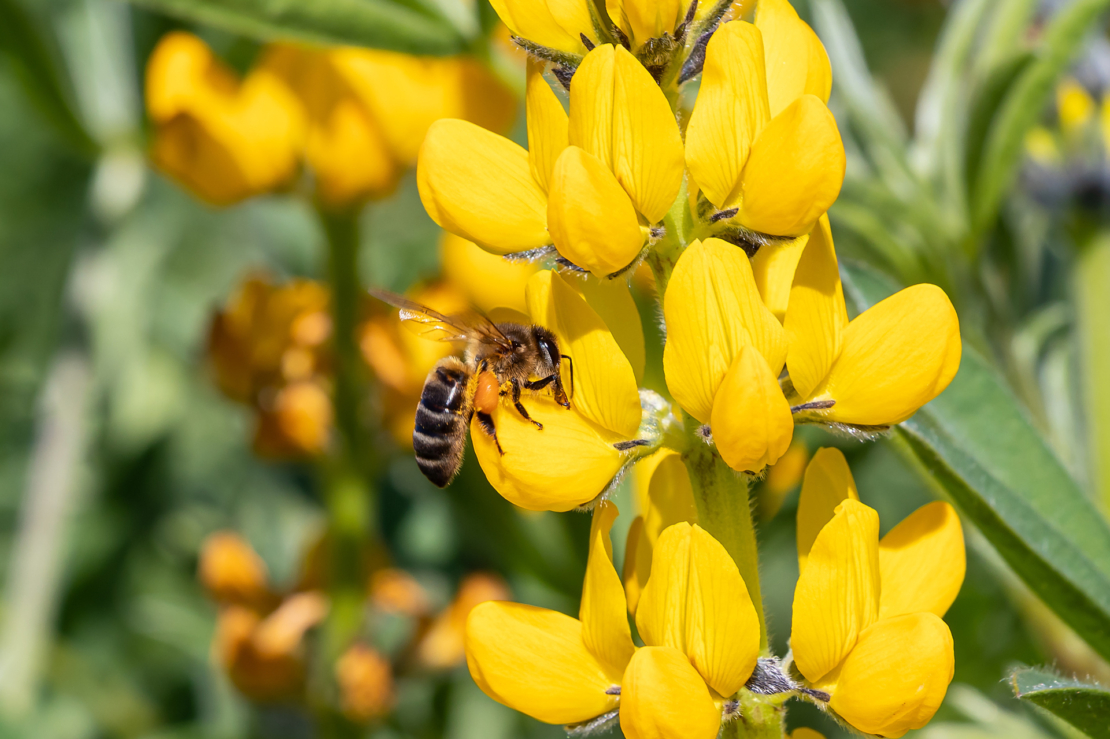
<point>1084,706</point>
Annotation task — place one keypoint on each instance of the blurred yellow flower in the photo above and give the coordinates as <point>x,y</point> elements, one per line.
<point>724,352</point>
<point>442,645</point>
<point>232,572</point>
<point>867,625</point>
<point>365,680</point>
<point>488,282</point>
<point>782,477</point>
<point>368,111</point>
<point>760,138</point>
<point>881,367</point>
<point>554,668</point>
<point>223,140</point>
<point>1074,106</point>
<point>396,591</point>
<point>702,637</point>
<point>572,459</point>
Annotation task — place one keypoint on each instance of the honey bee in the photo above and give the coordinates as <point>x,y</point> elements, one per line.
<point>500,359</point>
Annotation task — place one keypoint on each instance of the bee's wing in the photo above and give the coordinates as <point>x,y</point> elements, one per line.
<point>431,324</point>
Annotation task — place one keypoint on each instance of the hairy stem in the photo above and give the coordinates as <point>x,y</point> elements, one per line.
<point>1092,275</point>
<point>759,717</point>
<point>348,493</point>
<point>721,496</point>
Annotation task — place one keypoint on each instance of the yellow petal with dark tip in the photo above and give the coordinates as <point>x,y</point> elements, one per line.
<point>479,185</point>
<point>816,317</point>
<point>663,697</point>
<point>751,422</point>
<point>922,561</point>
<point>797,63</point>
<point>619,114</point>
<point>794,172</point>
<point>547,125</point>
<point>896,677</point>
<point>556,24</point>
<point>837,595</point>
<point>828,483</point>
<point>604,611</point>
<point>730,111</point>
<point>533,660</point>
<point>696,602</point>
<point>896,357</point>
<point>712,308</point>
<point>592,221</point>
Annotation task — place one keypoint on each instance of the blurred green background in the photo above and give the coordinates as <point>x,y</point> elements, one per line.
<point>118,455</point>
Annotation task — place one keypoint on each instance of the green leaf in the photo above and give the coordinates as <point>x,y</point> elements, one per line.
<point>1084,706</point>
<point>24,45</point>
<point>1024,104</point>
<point>977,443</point>
<point>412,28</point>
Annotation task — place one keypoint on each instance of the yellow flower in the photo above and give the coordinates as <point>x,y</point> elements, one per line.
<point>365,681</point>
<point>368,111</point>
<point>556,24</point>
<point>1074,106</point>
<point>488,282</point>
<point>724,352</point>
<point>782,477</point>
<point>232,572</point>
<point>591,184</point>
<point>555,668</point>
<point>867,625</point>
<point>702,637</point>
<point>760,138</point>
<point>572,459</point>
<point>664,497</point>
<point>879,369</point>
<point>223,140</point>
<point>442,646</point>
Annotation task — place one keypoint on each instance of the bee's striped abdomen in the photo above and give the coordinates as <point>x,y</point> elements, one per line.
<point>442,418</point>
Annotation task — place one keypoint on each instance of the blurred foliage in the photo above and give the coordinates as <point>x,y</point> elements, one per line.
<point>106,261</point>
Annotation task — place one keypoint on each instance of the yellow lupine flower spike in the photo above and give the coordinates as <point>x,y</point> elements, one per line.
<point>867,625</point>
<point>572,459</point>
<point>714,311</point>
<point>797,63</point>
<point>879,369</point>
<point>223,140</point>
<point>702,634</point>
<point>781,169</point>
<point>544,663</point>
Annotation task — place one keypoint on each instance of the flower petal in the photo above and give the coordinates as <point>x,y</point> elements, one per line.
<point>794,171</point>
<point>556,24</point>
<point>730,111</point>
<point>180,70</point>
<point>774,268</point>
<point>577,461</point>
<point>637,563</point>
<point>837,595</point>
<point>547,125</point>
<point>712,308</point>
<point>752,424</point>
<point>479,185</point>
<point>922,561</point>
<point>828,483</point>
<point>592,221</point>
<point>605,390</point>
<point>604,611</point>
<point>664,493</point>
<point>612,299</point>
<point>896,677</point>
<point>663,697</point>
<point>796,60</point>
<point>648,19</point>
<point>896,357</point>
<point>816,317</point>
<point>619,114</point>
<point>487,281</point>
<point>697,603</point>
<point>533,660</point>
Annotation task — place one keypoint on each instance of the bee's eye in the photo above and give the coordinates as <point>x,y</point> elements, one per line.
<point>517,345</point>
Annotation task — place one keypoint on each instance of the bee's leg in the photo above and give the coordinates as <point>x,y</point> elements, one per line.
<point>539,384</point>
<point>556,392</point>
<point>520,406</point>
<point>485,420</point>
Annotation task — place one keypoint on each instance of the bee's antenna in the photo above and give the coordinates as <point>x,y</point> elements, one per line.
<point>571,363</point>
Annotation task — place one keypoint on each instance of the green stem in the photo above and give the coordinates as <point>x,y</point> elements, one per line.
<point>1091,279</point>
<point>760,717</point>
<point>348,494</point>
<point>721,496</point>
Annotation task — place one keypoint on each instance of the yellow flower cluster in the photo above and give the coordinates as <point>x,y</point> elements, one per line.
<point>260,634</point>
<point>355,117</point>
<point>867,638</point>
